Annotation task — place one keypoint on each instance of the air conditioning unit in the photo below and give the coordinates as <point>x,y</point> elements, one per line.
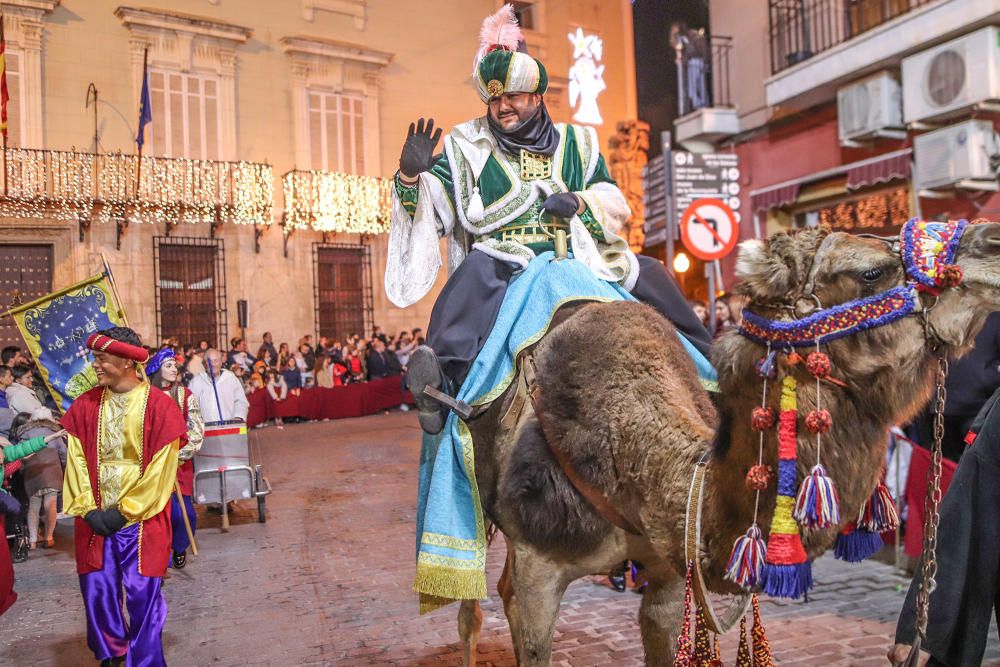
<point>952,76</point>
<point>957,156</point>
<point>870,107</point>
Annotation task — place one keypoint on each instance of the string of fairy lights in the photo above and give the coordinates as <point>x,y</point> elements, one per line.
<point>334,202</point>
<point>70,185</point>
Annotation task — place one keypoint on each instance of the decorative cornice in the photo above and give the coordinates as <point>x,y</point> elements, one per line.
<point>353,8</point>
<point>137,17</point>
<point>299,46</point>
<point>44,6</point>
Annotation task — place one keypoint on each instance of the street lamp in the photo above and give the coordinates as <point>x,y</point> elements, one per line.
<point>681,263</point>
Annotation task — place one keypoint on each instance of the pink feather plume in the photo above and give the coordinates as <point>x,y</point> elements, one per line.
<point>498,30</point>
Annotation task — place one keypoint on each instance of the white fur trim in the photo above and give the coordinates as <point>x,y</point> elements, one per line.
<point>485,247</point>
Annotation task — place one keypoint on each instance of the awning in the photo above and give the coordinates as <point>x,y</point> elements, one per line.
<point>878,169</point>
<point>765,200</point>
<point>882,170</point>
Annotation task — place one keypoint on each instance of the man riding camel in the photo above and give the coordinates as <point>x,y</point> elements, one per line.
<point>505,185</point>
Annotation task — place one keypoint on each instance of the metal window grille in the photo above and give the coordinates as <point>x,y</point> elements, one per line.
<point>25,275</point>
<point>342,290</point>
<point>799,29</point>
<point>190,283</point>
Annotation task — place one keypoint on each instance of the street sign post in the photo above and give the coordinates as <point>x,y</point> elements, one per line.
<point>709,229</point>
<point>705,175</point>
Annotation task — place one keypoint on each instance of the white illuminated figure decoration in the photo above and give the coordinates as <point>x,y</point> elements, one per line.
<point>586,77</point>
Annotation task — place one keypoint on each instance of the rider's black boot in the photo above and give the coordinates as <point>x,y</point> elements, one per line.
<point>422,371</point>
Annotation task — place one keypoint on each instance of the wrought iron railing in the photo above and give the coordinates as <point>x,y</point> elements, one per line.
<point>705,73</point>
<point>76,185</point>
<point>328,201</point>
<point>800,29</point>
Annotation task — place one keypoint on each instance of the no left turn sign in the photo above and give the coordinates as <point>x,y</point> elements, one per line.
<point>709,229</point>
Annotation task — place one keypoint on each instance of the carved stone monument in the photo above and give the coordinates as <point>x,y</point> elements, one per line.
<point>626,159</point>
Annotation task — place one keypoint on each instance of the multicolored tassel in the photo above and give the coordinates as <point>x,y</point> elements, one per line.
<point>747,558</point>
<point>786,572</point>
<point>817,505</point>
<point>856,544</point>
<point>743,657</point>
<point>749,550</point>
<point>761,647</point>
<point>684,655</point>
<point>879,513</point>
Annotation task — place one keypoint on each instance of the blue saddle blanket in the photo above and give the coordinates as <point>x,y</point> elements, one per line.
<point>451,535</point>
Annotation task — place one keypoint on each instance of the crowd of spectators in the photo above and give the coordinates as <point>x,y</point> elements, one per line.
<point>728,312</point>
<point>282,370</point>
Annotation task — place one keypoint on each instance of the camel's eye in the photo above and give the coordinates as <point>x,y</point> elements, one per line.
<point>871,275</point>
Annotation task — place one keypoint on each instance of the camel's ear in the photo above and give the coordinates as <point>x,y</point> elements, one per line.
<point>763,272</point>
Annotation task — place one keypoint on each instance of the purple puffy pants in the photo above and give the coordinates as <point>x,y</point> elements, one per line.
<point>108,635</point>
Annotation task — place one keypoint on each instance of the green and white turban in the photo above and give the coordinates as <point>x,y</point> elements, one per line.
<point>500,67</point>
<point>510,72</point>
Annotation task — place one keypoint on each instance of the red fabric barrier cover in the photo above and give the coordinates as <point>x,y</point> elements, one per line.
<point>916,492</point>
<point>382,394</point>
<point>353,400</point>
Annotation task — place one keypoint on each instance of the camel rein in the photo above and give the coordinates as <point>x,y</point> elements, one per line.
<point>692,554</point>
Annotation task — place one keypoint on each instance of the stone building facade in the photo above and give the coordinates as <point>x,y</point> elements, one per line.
<point>259,110</point>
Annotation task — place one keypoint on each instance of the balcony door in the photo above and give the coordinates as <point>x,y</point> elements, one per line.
<point>190,290</point>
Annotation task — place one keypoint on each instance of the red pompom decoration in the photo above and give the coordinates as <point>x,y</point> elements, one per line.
<point>762,419</point>
<point>819,421</point>
<point>758,477</point>
<point>950,275</point>
<point>818,365</point>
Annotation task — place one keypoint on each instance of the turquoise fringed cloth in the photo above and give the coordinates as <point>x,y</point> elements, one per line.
<point>451,535</point>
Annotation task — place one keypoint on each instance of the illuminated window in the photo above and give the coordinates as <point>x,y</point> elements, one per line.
<point>185,115</point>
<point>336,132</point>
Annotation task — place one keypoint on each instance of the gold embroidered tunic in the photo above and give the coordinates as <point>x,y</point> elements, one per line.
<point>139,494</point>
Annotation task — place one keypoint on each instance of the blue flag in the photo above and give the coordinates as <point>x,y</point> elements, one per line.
<point>145,107</point>
<point>55,329</point>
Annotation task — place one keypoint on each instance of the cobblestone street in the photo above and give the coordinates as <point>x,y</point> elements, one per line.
<point>327,580</point>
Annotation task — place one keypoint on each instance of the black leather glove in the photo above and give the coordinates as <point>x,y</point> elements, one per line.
<point>562,205</point>
<point>113,520</point>
<point>418,151</point>
<point>95,519</point>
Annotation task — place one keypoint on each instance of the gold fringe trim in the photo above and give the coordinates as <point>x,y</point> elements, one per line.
<point>447,582</point>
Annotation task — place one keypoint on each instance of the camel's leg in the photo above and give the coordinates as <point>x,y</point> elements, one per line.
<point>470,621</point>
<point>505,587</point>
<point>538,589</point>
<point>660,618</point>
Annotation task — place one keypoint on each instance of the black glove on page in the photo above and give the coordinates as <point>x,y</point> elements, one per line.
<point>95,519</point>
<point>114,520</point>
<point>418,151</point>
<point>562,205</point>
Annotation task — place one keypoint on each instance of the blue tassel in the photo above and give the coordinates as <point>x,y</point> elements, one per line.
<point>817,505</point>
<point>857,545</point>
<point>786,581</point>
<point>747,558</point>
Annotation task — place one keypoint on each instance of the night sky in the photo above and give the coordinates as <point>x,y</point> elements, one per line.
<point>656,73</point>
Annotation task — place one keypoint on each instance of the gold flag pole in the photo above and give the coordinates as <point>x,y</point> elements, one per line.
<point>114,289</point>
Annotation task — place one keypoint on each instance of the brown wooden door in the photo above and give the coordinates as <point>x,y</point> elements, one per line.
<point>340,288</point>
<point>187,290</point>
<point>25,271</point>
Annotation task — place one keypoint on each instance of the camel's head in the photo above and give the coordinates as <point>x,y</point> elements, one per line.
<point>910,283</point>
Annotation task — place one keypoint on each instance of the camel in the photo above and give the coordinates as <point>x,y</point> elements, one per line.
<point>624,406</point>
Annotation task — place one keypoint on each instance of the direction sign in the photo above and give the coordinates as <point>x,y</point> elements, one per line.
<point>709,229</point>
<point>705,175</point>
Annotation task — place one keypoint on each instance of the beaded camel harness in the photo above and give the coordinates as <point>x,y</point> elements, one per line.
<point>781,568</point>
